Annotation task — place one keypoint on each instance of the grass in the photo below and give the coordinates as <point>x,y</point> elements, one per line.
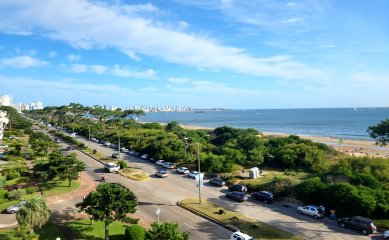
<point>50,188</point>
<point>250,226</point>
<point>134,174</point>
<point>83,230</point>
<point>7,234</point>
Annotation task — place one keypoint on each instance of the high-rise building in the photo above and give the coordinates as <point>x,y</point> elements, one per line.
<point>5,100</point>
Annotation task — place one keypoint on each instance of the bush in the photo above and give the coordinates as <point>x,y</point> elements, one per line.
<point>12,175</point>
<point>123,164</point>
<point>3,194</point>
<point>30,190</point>
<point>221,211</point>
<point>135,232</point>
<point>94,151</point>
<point>15,194</point>
<point>383,223</point>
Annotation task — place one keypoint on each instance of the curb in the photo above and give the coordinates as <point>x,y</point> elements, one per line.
<point>228,227</point>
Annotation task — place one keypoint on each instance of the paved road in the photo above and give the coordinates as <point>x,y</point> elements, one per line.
<point>176,187</point>
<point>152,198</point>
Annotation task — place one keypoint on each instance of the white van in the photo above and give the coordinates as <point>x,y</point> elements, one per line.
<point>240,236</point>
<point>112,167</point>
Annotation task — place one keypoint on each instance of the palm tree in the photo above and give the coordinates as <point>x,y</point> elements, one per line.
<point>32,215</point>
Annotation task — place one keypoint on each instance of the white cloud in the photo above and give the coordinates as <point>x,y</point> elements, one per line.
<point>115,71</point>
<point>291,4</point>
<point>178,80</point>
<point>293,20</point>
<point>23,61</point>
<point>125,32</point>
<point>74,57</point>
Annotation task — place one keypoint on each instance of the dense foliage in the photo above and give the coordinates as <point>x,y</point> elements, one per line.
<point>17,121</point>
<point>380,132</point>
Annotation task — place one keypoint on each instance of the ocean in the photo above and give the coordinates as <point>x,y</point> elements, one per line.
<point>347,123</point>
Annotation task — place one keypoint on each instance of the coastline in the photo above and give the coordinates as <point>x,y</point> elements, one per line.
<point>351,147</point>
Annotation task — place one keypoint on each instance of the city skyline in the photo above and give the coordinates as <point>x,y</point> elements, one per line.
<point>203,54</point>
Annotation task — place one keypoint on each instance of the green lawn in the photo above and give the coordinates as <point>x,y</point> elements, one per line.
<point>50,188</point>
<point>250,226</point>
<point>83,230</point>
<point>18,180</point>
<point>50,231</point>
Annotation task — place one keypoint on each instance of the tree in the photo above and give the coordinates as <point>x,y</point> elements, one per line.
<point>380,132</point>
<point>110,202</point>
<point>32,215</point>
<point>166,231</point>
<point>69,168</point>
<point>310,191</point>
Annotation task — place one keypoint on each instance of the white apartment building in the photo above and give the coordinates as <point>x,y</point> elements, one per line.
<point>5,100</point>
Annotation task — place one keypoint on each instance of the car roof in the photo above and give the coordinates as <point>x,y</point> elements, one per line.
<point>312,206</point>
<point>363,218</point>
<point>110,163</point>
<point>242,234</point>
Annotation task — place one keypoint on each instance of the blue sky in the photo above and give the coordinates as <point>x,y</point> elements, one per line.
<point>201,53</point>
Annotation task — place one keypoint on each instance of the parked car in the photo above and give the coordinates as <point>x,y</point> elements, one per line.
<point>240,236</point>
<point>183,170</point>
<point>160,162</point>
<point>237,196</point>
<point>151,159</point>
<point>113,146</point>
<point>161,174</point>
<point>311,210</point>
<point>132,152</point>
<point>264,196</point>
<point>386,235</point>
<point>107,144</point>
<point>125,150</point>
<point>73,134</point>
<point>144,156</point>
<point>69,148</point>
<point>362,224</point>
<point>169,165</point>
<point>111,167</point>
<point>193,174</point>
<point>237,188</point>
<point>217,182</point>
<point>115,155</point>
<point>95,140</point>
<point>15,208</point>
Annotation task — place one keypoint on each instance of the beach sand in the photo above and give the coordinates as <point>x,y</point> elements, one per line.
<point>348,146</point>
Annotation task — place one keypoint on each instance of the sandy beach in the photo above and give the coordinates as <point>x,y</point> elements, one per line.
<point>348,146</point>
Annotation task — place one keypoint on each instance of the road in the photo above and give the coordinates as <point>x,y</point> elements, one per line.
<point>151,198</point>
<point>176,187</point>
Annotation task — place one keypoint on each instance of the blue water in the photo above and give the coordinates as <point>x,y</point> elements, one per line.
<point>331,122</point>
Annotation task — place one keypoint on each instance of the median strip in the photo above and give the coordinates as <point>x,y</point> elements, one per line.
<point>233,221</point>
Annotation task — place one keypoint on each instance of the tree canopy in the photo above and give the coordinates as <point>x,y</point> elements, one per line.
<point>380,132</point>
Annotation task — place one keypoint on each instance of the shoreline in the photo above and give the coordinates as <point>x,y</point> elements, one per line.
<point>352,147</point>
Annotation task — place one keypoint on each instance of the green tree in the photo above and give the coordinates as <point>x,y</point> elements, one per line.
<point>110,202</point>
<point>310,191</point>
<point>31,216</point>
<point>166,231</point>
<point>135,232</point>
<point>69,168</point>
<point>380,132</point>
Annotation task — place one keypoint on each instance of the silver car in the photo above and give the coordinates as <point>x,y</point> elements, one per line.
<point>15,208</point>
<point>311,210</point>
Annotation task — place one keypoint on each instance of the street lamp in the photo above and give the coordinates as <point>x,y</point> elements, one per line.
<point>198,162</point>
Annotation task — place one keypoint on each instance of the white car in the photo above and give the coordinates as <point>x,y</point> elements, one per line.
<point>240,236</point>
<point>73,134</point>
<point>15,208</point>
<point>144,156</point>
<point>125,150</point>
<point>160,162</point>
<point>193,174</point>
<point>169,165</point>
<point>386,235</point>
<point>183,170</point>
<point>311,210</point>
<point>111,167</point>
<point>107,144</point>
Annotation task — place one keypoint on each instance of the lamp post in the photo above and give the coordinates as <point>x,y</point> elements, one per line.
<point>198,163</point>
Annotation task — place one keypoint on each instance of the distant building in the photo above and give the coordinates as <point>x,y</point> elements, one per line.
<point>5,100</point>
<point>36,105</point>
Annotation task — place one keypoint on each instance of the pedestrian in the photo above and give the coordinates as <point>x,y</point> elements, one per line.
<point>102,177</point>
<point>333,215</point>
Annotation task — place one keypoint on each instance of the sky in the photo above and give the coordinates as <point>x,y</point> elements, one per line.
<point>239,54</point>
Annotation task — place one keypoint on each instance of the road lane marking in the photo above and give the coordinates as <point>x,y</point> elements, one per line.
<point>190,226</point>
<point>156,195</point>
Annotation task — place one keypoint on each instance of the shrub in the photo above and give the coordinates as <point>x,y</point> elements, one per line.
<point>30,190</point>
<point>3,194</point>
<point>12,175</point>
<point>15,194</point>
<point>221,211</point>
<point>135,232</point>
<point>383,223</point>
<point>94,151</point>
<point>123,164</point>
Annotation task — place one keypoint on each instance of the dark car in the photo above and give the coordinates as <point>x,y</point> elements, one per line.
<point>362,224</point>
<point>237,188</point>
<point>237,196</point>
<point>69,148</point>
<point>264,196</point>
<point>217,182</point>
<point>115,155</point>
